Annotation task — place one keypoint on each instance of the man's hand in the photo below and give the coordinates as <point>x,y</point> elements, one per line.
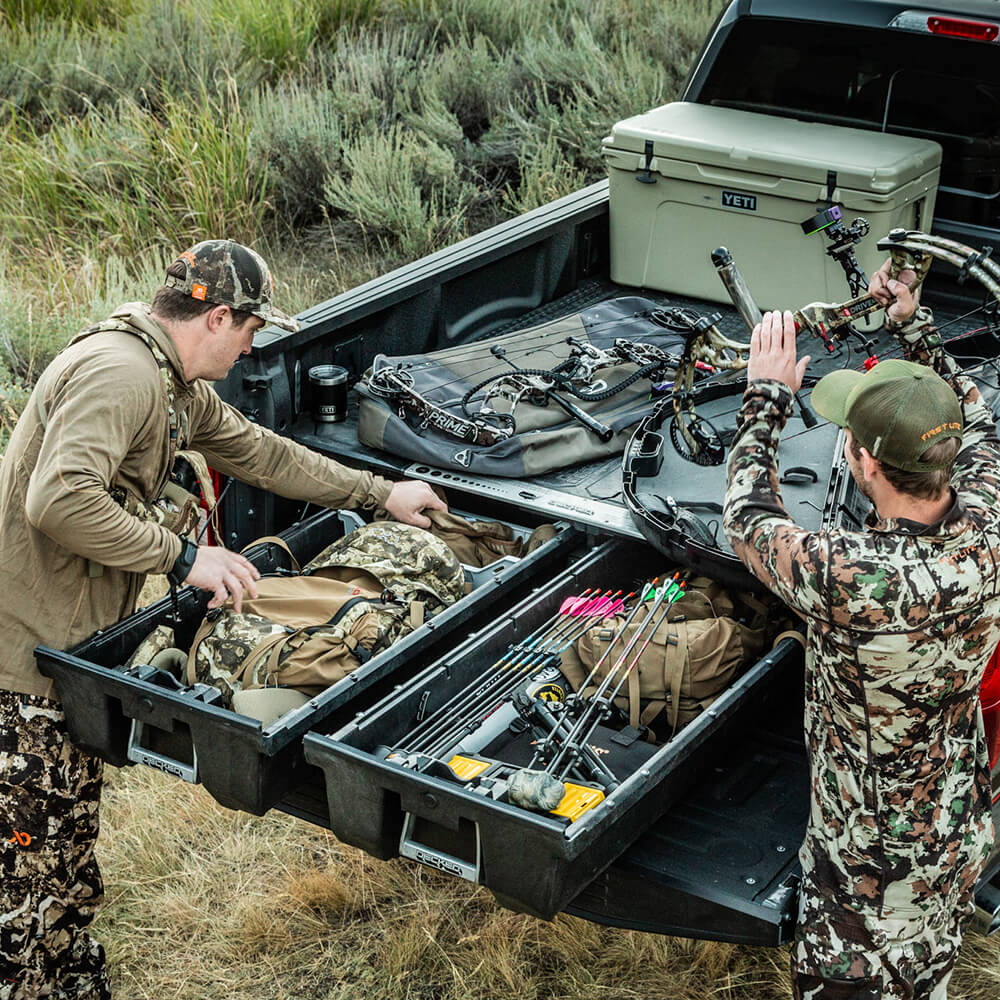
<point>772,351</point>
<point>409,498</point>
<point>225,572</point>
<point>896,294</point>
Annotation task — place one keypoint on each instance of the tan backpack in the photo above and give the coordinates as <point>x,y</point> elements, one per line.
<point>309,630</point>
<point>705,642</point>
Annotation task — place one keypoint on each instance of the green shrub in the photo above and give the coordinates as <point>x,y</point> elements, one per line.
<point>296,139</point>
<point>471,81</point>
<point>402,191</point>
<point>89,12</point>
<point>381,68</point>
<point>165,51</point>
<point>545,176</point>
<point>337,136</point>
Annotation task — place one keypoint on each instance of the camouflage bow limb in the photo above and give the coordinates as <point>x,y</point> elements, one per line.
<point>908,250</point>
<point>694,437</point>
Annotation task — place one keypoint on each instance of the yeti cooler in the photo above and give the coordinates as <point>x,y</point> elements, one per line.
<point>687,178</point>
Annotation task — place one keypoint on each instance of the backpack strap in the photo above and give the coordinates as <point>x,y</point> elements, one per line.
<point>273,540</point>
<point>178,423</point>
<point>633,697</point>
<point>204,631</point>
<point>674,666</point>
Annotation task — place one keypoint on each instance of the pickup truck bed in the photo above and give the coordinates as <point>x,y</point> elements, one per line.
<point>721,864</point>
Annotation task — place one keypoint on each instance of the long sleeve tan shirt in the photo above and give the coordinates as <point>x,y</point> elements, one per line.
<point>96,420</point>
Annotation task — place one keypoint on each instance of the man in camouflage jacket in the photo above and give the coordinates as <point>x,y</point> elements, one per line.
<point>82,520</point>
<point>902,619</point>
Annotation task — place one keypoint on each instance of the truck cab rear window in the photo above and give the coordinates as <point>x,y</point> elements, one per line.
<point>925,86</point>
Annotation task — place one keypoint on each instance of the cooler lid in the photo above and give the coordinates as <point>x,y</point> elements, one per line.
<point>782,147</point>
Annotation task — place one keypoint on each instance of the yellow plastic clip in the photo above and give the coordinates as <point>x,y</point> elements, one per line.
<point>578,800</point>
<point>467,768</point>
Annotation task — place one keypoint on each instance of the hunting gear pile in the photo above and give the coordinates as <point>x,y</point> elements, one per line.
<point>309,628</point>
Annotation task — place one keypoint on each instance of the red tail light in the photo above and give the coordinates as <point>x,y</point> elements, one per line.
<point>947,26</point>
<point>978,31</point>
<point>989,697</point>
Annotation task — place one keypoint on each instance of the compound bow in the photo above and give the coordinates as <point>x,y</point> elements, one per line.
<point>494,420</point>
<point>698,441</point>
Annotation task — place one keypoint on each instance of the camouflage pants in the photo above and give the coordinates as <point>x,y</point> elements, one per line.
<point>50,885</point>
<point>860,955</point>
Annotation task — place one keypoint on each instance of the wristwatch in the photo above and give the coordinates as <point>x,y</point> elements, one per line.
<point>183,563</point>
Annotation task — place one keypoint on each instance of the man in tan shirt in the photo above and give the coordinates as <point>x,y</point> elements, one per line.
<point>80,527</point>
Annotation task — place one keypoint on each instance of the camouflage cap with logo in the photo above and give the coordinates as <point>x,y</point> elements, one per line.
<point>897,410</point>
<point>230,274</point>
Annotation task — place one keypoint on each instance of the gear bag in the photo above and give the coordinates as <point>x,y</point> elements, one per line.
<point>706,641</point>
<point>545,436</point>
<point>480,543</point>
<point>309,630</point>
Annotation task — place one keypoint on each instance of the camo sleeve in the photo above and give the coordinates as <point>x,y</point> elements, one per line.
<point>787,559</point>
<point>976,475</point>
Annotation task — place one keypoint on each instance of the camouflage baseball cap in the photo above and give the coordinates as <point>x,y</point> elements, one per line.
<point>229,274</point>
<point>897,410</point>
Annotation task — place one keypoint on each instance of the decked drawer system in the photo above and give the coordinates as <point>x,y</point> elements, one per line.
<point>144,716</point>
<point>531,861</point>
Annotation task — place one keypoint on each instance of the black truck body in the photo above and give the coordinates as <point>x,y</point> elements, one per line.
<point>721,862</point>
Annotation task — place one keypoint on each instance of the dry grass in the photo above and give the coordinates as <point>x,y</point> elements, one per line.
<point>206,903</point>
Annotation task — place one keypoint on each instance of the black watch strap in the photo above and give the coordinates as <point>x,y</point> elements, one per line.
<point>184,562</point>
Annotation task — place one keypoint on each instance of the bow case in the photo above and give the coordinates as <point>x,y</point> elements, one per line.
<point>488,410</point>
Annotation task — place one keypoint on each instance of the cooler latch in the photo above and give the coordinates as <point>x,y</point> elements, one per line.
<point>646,175</point>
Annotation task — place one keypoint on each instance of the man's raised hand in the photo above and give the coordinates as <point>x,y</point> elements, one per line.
<point>772,351</point>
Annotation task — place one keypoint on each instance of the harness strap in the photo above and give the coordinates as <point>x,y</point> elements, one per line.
<point>178,424</point>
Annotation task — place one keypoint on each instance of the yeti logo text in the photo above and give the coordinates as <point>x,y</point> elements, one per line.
<point>733,199</point>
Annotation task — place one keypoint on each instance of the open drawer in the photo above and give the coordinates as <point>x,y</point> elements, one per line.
<point>142,715</point>
<point>532,861</point>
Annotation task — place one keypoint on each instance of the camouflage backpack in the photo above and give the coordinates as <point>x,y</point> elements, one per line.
<point>308,631</point>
